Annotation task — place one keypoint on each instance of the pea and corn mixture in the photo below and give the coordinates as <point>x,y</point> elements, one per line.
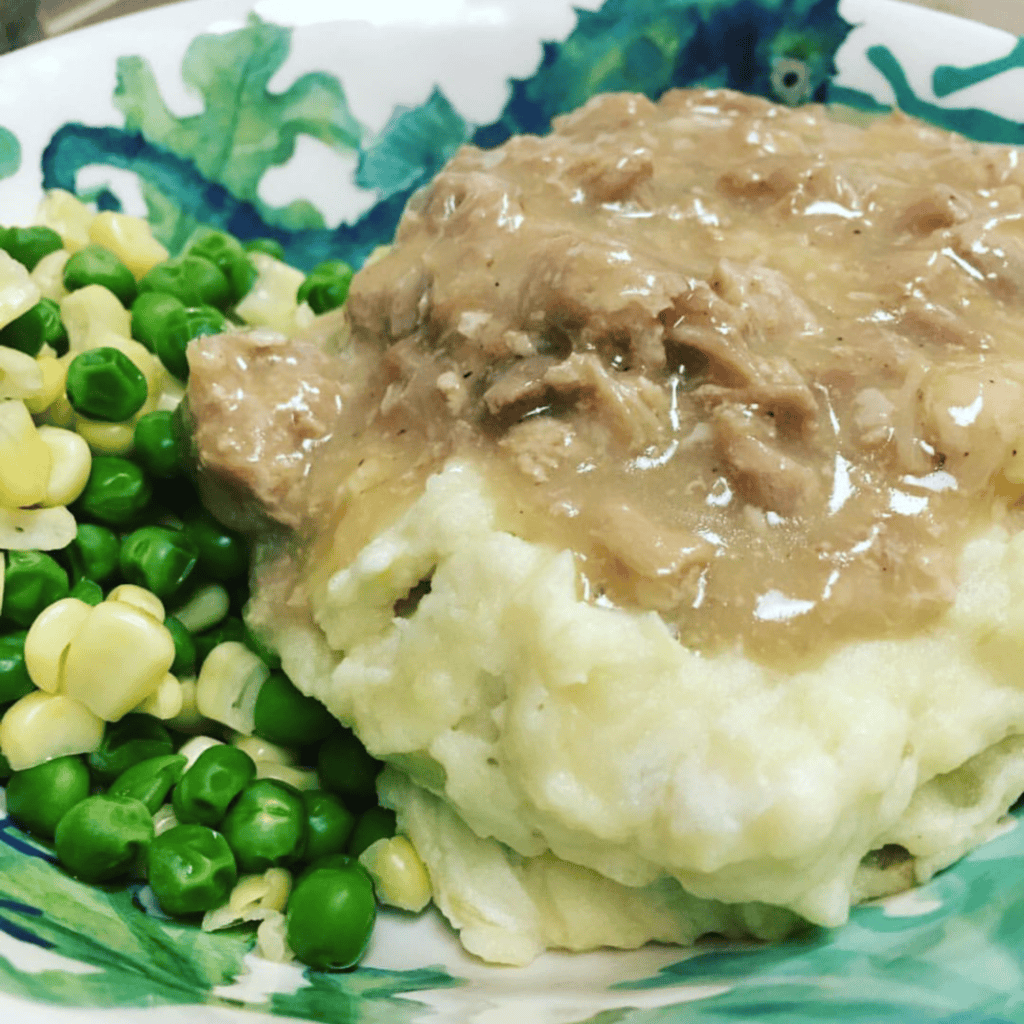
<point>145,731</point>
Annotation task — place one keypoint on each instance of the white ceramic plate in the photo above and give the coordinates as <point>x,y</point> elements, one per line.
<point>352,105</point>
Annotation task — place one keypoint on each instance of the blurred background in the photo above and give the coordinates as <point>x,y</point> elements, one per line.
<point>24,21</point>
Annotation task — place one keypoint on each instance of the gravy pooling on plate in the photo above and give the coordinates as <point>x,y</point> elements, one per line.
<point>760,369</point>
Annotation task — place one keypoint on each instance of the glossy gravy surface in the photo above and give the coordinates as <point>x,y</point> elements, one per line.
<point>762,370</point>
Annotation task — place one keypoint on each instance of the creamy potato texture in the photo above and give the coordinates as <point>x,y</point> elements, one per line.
<point>558,764</point>
<point>653,511</point>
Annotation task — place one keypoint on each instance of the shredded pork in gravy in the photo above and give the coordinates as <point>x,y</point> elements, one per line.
<point>762,370</point>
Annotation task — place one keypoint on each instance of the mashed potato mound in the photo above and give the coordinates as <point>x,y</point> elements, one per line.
<point>557,803</point>
<point>655,508</point>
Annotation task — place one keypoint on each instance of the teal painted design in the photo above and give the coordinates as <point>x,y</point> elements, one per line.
<point>974,122</point>
<point>141,960</point>
<point>193,172</point>
<point>10,153</point>
<point>138,960</point>
<point>960,960</point>
<point>947,80</point>
<point>415,144</point>
<point>366,996</point>
<point>244,129</point>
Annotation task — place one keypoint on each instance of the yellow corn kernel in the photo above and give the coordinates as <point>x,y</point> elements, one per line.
<point>54,375</point>
<point>279,888</point>
<point>90,310</point>
<point>20,375</point>
<point>207,606</point>
<point>3,573</point>
<point>48,275</point>
<point>273,298</point>
<point>254,898</point>
<point>119,657</point>
<point>60,412</point>
<point>171,394</point>
<point>165,701</point>
<point>188,719</point>
<point>18,293</point>
<point>106,438</point>
<point>272,939</point>
<point>25,459</point>
<point>260,749</point>
<point>141,598</point>
<point>303,316</point>
<point>399,876</point>
<point>69,471</point>
<point>229,683</point>
<point>129,239</point>
<point>164,820</point>
<point>269,891</point>
<point>68,216</point>
<point>48,639</point>
<point>36,529</point>
<point>300,778</point>
<point>43,726</point>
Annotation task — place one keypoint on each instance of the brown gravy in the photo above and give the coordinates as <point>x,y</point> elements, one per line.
<point>762,370</point>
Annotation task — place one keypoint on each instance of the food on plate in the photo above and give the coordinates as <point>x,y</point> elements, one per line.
<point>651,509</point>
<point>121,599</point>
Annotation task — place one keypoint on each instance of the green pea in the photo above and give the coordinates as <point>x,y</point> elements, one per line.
<point>226,253</point>
<point>151,780</point>
<point>96,265</point>
<point>135,738</point>
<point>88,591</point>
<point>347,769</point>
<point>266,826</point>
<point>39,797</point>
<point>117,491</point>
<point>191,869</point>
<point>326,287</point>
<point>373,824</point>
<point>223,554</point>
<point>14,678</point>
<point>231,628</point>
<point>5,769</point>
<point>257,645</point>
<point>101,837</point>
<point>289,718</point>
<point>159,559</point>
<point>158,320</point>
<point>32,582</point>
<point>331,914</point>
<point>40,326</point>
<point>104,384</point>
<point>184,648</point>
<point>329,824</point>
<point>192,279</point>
<point>267,246</point>
<point>29,245</point>
<point>207,789</point>
<point>94,554</point>
<point>199,322</point>
<point>156,444</point>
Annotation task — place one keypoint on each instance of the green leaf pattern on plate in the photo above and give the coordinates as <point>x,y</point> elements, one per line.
<point>245,129</point>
